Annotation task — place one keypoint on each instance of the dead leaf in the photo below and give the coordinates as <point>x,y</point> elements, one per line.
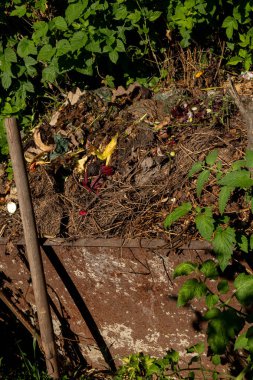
<point>73,97</point>
<point>81,164</point>
<point>39,143</point>
<point>163,124</point>
<point>54,118</point>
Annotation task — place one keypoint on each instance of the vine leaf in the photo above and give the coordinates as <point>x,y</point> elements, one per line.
<point>201,181</point>
<point>211,300</point>
<point>223,245</point>
<point>238,178</point>
<point>195,168</point>
<point>216,359</point>
<point>184,269</point>
<point>243,243</point>
<point>244,288</point>
<point>249,158</point>
<point>223,287</point>
<point>191,289</point>
<point>178,213</point>
<point>251,242</point>
<point>198,348</point>
<point>205,223</point>
<point>224,196</point>
<point>211,157</point>
<point>222,326</point>
<point>209,269</point>
<point>241,342</point>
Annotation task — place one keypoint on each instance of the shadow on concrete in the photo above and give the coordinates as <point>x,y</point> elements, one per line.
<point>80,304</point>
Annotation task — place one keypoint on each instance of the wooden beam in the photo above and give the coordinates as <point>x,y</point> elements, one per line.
<point>117,243</point>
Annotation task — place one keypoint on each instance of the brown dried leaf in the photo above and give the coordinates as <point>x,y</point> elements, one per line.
<point>39,143</point>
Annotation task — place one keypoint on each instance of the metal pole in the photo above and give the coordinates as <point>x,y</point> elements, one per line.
<point>32,247</point>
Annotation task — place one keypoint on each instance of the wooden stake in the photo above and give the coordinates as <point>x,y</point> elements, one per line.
<point>32,247</point>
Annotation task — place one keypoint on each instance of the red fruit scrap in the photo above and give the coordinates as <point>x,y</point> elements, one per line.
<point>83,212</point>
<point>107,170</point>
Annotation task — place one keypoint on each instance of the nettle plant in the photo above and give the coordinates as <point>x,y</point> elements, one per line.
<point>227,226</point>
<point>140,366</point>
<point>228,21</point>
<point>46,47</point>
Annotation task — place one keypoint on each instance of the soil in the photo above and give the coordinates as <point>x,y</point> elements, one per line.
<point>160,137</point>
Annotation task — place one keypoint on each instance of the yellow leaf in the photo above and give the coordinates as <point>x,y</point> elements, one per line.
<point>199,74</point>
<point>108,151</point>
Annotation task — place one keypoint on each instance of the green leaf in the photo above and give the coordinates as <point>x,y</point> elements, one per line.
<point>242,242</point>
<point>235,60</point>
<point>19,11</point>
<point>134,16</point>
<point>230,24</point>
<point>46,53</point>
<point>40,31</point>
<point>62,47</point>
<point>216,359</point>
<point>114,56</point>
<point>94,46</point>
<point>120,46</point>
<point>223,287</point>
<point>205,223</point>
<point>211,157</point>
<point>222,327</point>
<point>249,335</point>
<point>209,269</point>
<point>60,23</point>
<point>74,11</point>
<point>27,86</point>
<point>251,242</point>
<point>201,181</point>
<point>211,300</point>
<point>224,196</point>
<point>26,47</point>
<point>178,213</point>
<point>88,70</point>
<point>238,165</point>
<point>241,342</point>
<point>49,74</point>
<point>10,55</point>
<point>198,348</point>
<point>120,12</point>
<point>249,158</point>
<point>244,288</point>
<point>191,289</point>
<point>184,269</point>
<point>154,15</point>
<point>172,357</point>
<point>29,63</point>
<point>195,168</point>
<point>230,45</point>
<point>6,80</point>
<point>239,178</point>
<point>78,40</point>
<point>223,245</point>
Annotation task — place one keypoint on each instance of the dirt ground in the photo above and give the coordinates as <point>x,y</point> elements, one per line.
<point>113,163</point>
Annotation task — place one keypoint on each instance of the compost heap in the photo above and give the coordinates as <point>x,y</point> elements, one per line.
<point>115,163</point>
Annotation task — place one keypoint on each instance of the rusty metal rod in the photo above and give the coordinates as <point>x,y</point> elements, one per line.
<point>32,247</point>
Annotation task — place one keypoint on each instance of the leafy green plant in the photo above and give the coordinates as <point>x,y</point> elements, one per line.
<point>228,230</point>
<point>140,366</point>
<point>55,45</point>
<point>227,21</point>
